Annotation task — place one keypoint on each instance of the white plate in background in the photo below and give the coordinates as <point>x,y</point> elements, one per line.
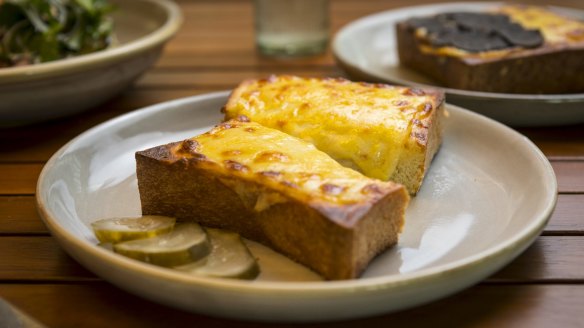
<point>487,196</point>
<point>367,50</point>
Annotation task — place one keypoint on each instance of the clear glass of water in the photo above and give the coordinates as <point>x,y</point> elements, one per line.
<point>291,27</point>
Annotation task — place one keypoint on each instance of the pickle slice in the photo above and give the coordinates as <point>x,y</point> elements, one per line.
<point>186,243</point>
<point>229,258</point>
<point>115,230</point>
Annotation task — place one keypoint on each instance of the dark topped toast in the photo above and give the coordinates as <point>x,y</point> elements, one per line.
<point>511,49</point>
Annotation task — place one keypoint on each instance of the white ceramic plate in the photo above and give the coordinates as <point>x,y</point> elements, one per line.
<point>367,50</point>
<point>63,87</point>
<point>487,196</point>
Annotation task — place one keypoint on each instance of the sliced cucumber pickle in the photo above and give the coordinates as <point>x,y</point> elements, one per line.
<point>116,230</point>
<point>229,258</point>
<point>186,243</point>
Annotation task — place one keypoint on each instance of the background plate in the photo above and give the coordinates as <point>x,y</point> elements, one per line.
<point>63,87</point>
<point>367,50</point>
<point>479,207</point>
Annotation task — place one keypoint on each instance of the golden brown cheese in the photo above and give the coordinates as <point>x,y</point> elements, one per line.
<point>558,32</point>
<point>278,161</point>
<point>368,127</point>
<point>275,189</point>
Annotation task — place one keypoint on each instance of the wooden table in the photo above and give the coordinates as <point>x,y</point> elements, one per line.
<point>214,50</point>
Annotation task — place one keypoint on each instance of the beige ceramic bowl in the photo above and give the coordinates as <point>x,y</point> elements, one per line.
<point>55,89</point>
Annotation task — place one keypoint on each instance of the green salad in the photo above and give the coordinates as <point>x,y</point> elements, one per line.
<point>37,31</point>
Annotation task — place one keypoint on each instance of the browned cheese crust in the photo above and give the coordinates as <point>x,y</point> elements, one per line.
<point>386,132</point>
<point>334,239</point>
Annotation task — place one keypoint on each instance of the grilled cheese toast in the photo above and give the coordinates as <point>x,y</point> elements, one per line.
<point>512,49</point>
<point>557,32</point>
<point>275,189</point>
<point>385,132</point>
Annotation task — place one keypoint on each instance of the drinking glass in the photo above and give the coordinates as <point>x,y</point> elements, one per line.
<point>291,27</point>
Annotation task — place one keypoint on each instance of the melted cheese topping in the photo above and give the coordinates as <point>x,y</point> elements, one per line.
<point>363,126</point>
<point>557,31</point>
<point>281,162</point>
<point>555,28</point>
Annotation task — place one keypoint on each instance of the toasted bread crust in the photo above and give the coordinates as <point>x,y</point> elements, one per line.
<point>335,239</point>
<point>547,69</point>
<point>422,145</point>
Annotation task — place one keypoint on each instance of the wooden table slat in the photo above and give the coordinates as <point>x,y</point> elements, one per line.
<point>549,258</point>
<point>518,306</point>
<point>570,176</point>
<point>21,216</point>
<point>226,80</point>
<point>19,179</point>
<point>239,60</point>
<point>38,258</point>
<point>568,215</point>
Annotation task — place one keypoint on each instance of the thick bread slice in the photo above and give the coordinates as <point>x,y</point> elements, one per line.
<point>275,189</point>
<point>546,69</point>
<point>386,132</point>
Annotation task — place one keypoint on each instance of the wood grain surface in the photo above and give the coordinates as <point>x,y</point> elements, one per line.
<point>89,305</point>
<point>214,50</point>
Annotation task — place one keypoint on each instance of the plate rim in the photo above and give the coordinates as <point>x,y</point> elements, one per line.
<point>356,24</point>
<point>536,224</point>
<point>520,239</point>
<point>65,66</point>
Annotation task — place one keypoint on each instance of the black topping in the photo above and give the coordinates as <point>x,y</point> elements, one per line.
<point>519,36</point>
<point>476,32</point>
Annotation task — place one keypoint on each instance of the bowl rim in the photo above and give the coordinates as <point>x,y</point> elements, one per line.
<point>60,67</point>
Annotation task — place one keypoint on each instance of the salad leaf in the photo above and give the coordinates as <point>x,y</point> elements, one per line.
<point>37,31</point>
